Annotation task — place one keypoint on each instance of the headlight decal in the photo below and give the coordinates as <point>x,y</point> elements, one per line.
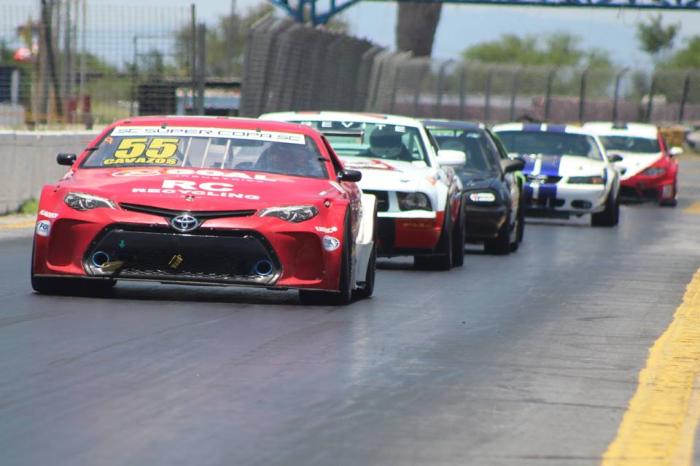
<point>84,201</point>
<point>292,214</point>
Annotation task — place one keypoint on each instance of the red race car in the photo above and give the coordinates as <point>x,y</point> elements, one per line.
<point>647,167</point>
<point>217,201</point>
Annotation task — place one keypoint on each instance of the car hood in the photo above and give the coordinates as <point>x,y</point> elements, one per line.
<point>564,165</point>
<point>390,175</point>
<point>472,181</point>
<point>193,190</point>
<point>633,163</point>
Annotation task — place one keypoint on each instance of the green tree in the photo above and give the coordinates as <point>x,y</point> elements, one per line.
<point>559,49</point>
<point>687,57</point>
<point>225,42</point>
<point>655,38</point>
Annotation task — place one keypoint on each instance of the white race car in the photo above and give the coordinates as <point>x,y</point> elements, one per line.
<point>567,169</point>
<point>420,206</point>
<point>648,169</point>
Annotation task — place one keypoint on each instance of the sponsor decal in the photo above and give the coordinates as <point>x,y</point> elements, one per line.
<point>227,133</point>
<point>195,173</point>
<point>140,150</point>
<point>326,229</point>
<point>330,243</point>
<point>138,172</point>
<point>43,228</point>
<point>47,214</point>
<point>192,188</point>
<point>373,164</point>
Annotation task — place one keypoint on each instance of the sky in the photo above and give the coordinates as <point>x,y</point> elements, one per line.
<point>464,25</point>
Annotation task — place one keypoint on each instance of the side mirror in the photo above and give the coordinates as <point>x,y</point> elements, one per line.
<point>349,175</point>
<point>675,151</point>
<point>66,159</point>
<point>615,158</point>
<point>512,165</point>
<point>451,158</point>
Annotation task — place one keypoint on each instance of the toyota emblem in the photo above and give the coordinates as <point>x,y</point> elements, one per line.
<point>184,223</point>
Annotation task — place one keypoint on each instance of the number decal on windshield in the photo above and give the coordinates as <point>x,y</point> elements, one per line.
<point>141,151</point>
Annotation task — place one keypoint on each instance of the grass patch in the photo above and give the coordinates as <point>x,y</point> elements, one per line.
<point>29,207</point>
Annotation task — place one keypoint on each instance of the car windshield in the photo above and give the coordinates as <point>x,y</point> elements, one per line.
<point>481,155</point>
<point>631,144</point>
<point>375,140</point>
<point>550,143</point>
<point>222,148</point>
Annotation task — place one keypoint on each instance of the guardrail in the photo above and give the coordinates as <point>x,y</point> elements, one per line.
<point>29,162</point>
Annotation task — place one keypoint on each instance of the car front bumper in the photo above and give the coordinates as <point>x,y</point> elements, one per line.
<point>254,251</point>
<point>484,222</point>
<point>562,198</point>
<point>409,232</point>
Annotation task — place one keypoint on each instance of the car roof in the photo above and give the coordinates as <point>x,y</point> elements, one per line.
<point>354,117</point>
<point>217,122</point>
<point>454,124</point>
<point>543,127</point>
<point>608,128</point>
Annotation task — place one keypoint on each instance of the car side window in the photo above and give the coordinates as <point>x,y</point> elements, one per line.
<point>334,160</point>
<point>499,145</point>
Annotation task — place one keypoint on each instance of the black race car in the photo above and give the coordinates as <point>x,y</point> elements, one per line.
<point>492,184</point>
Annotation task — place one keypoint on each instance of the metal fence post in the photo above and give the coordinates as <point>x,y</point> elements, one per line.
<point>515,85</point>
<point>548,94</point>
<point>487,96</point>
<point>684,97</point>
<point>462,90</point>
<point>439,87</point>
<point>650,101</point>
<point>618,78</point>
<point>582,96</point>
<point>201,66</point>
<point>419,88</point>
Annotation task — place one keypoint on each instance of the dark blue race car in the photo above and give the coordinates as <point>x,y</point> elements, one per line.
<point>492,184</point>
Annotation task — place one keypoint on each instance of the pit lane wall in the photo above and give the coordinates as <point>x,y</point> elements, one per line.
<point>28,161</point>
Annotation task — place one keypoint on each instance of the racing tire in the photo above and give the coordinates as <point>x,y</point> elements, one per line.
<point>501,244</point>
<point>673,202</point>
<point>520,231</point>
<point>610,216</point>
<point>343,296</point>
<point>367,288</point>
<point>458,238</point>
<point>442,259</point>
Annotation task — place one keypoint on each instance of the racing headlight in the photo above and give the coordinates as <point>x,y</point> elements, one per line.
<point>654,171</point>
<point>293,214</point>
<point>586,180</point>
<point>482,197</point>
<point>83,201</point>
<point>413,201</point>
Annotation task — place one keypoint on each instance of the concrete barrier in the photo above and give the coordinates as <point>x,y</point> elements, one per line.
<point>28,161</point>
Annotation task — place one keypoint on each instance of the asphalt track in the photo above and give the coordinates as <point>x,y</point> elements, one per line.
<point>522,360</point>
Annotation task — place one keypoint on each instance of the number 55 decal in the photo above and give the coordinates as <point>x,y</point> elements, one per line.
<point>162,148</point>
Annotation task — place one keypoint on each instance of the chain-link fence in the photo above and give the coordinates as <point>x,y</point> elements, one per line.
<point>293,67</point>
<point>69,62</point>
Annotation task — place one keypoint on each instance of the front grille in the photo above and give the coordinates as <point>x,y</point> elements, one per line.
<point>544,179</point>
<point>201,215</point>
<point>382,199</point>
<point>207,255</point>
